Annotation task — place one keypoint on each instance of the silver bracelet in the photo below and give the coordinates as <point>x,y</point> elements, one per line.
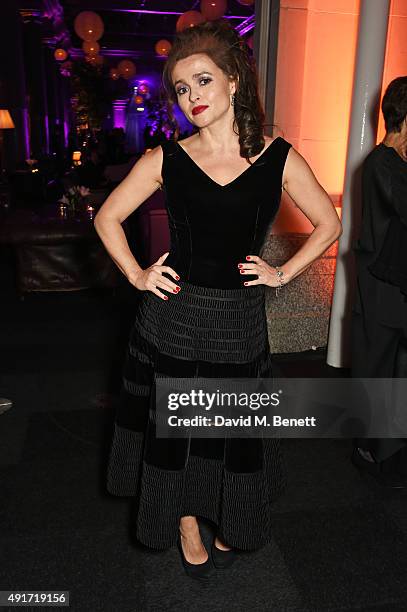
<point>280,278</point>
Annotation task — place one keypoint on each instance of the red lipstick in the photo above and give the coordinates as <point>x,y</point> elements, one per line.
<point>198,109</point>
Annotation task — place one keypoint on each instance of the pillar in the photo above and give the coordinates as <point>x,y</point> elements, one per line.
<point>367,82</point>
<point>36,89</point>
<point>12,86</point>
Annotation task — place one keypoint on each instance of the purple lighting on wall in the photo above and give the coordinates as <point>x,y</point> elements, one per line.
<point>119,113</point>
<point>26,131</point>
<point>246,25</point>
<point>46,125</point>
<point>147,12</point>
<point>76,53</point>
<point>66,133</point>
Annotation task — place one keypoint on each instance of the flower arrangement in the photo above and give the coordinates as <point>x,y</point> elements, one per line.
<point>73,199</point>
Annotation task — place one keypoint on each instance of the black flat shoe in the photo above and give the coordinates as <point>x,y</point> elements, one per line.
<point>222,558</point>
<point>198,571</point>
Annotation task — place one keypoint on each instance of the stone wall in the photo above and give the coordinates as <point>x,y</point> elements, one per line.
<point>298,318</point>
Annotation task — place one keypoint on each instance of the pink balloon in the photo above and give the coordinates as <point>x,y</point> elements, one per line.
<point>189,20</point>
<point>213,9</point>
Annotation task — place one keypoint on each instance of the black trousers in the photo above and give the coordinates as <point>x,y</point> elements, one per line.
<point>378,351</point>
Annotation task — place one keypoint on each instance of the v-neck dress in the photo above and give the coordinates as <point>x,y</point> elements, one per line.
<point>215,327</point>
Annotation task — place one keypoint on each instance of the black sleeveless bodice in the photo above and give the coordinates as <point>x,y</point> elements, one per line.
<point>214,227</point>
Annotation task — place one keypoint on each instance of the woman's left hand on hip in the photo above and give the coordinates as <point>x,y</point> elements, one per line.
<point>266,274</point>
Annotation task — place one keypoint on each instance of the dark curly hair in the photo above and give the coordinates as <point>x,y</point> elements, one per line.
<point>230,53</point>
<point>394,104</point>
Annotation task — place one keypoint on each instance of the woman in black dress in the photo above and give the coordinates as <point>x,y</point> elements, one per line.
<point>202,312</point>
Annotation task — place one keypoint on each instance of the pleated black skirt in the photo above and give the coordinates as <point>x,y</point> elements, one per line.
<point>207,333</point>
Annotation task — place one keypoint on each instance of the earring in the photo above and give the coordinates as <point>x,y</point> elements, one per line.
<point>232,99</point>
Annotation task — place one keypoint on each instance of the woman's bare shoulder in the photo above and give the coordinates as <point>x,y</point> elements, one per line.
<point>151,161</point>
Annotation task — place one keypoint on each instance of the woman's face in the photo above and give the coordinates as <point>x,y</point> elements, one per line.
<point>202,89</point>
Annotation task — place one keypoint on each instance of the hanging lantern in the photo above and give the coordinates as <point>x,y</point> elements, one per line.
<point>213,9</point>
<point>126,69</point>
<point>143,88</point>
<point>114,74</point>
<point>89,26</point>
<point>189,20</point>
<point>139,99</point>
<point>163,47</point>
<point>246,2</point>
<point>91,47</point>
<point>60,55</point>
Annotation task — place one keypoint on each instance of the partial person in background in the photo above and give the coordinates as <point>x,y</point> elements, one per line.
<point>379,317</point>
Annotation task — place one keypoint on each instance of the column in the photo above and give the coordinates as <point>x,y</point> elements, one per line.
<point>12,86</point>
<point>372,33</point>
<point>265,46</point>
<point>35,79</point>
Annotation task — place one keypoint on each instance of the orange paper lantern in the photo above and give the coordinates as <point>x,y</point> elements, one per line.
<point>91,47</point>
<point>213,9</point>
<point>89,26</point>
<point>126,69</point>
<point>189,20</point>
<point>114,74</point>
<point>60,55</point>
<point>163,47</point>
<point>139,99</point>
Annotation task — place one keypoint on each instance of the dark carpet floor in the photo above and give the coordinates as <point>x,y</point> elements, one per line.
<point>340,541</point>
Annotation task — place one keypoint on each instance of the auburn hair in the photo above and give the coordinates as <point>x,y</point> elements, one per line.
<point>222,44</point>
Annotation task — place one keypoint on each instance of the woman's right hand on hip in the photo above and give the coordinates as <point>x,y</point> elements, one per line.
<point>152,279</point>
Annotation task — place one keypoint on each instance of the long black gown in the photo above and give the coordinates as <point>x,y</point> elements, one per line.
<point>214,327</point>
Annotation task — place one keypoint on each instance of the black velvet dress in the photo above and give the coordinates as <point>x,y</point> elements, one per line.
<point>214,327</point>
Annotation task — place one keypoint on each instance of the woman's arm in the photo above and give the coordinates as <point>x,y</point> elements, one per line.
<point>301,184</point>
<point>141,182</point>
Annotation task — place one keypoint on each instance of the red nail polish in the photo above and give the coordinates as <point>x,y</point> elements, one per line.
<point>245,283</point>
<point>177,278</point>
<point>241,271</point>
<point>165,297</point>
<point>248,257</point>
<point>240,265</point>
